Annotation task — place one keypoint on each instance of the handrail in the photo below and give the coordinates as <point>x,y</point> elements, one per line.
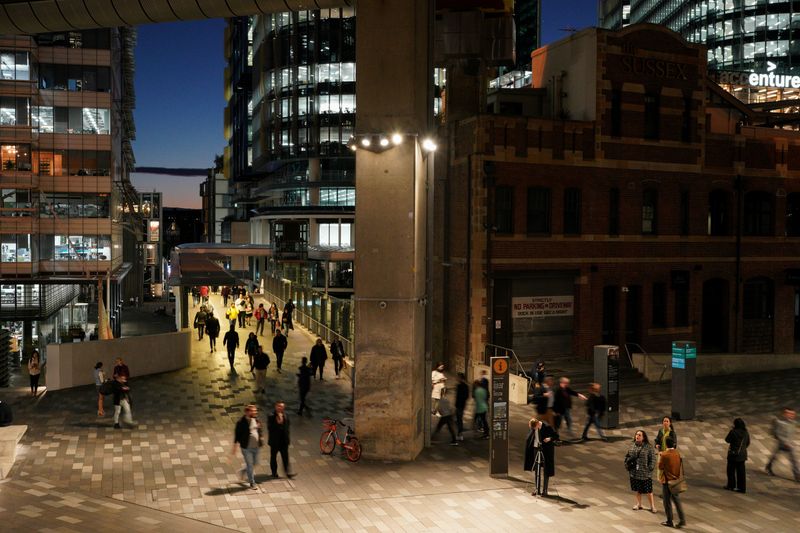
<point>495,347</point>
<point>647,356</point>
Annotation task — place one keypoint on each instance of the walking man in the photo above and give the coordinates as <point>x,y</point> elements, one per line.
<point>231,340</point>
<point>595,409</point>
<point>318,356</point>
<point>241,307</point>
<point>446,419</point>
<point>337,354</point>
<point>279,344</point>
<point>260,364</point>
<point>122,400</point>
<point>462,395</point>
<point>226,293</point>
<point>251,348</point>
<point>562,405</point>
<point>304,384</point>
<point>200,321</point>
<point>261,317</point>
<point>247,436</point>
<point>669,467</point>
<point>783,431</point>
<point>212,330</point>
<point>278,426</point>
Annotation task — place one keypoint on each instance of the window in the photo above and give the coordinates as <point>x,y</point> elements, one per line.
<point>758,299</point>
<point>572,211</point>
<point>616,113</point>
<point>15,248</point>
<point>15,202</point>
<point>659,305</point>
<point>343,196</point>
<point>651,115</point>
<point>758,213</point>
<point>14,66</point>
<point>684,213</point>
<point>613,212</point>
<point>15,157</point>
<point>718,213</point>
<point>793,214</point>
<point>649,212</point>
<point>504,209</point>
<point>335,234</point>
<point>78,247</point>
<point>538,210</point>
<point>14,111</point>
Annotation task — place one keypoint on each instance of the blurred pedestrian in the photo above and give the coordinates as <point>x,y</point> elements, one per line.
<point>288,316</point>
<point>241,307</point>
<point>738,440</point>
<point>99,379</point>
<point>318,357</point>
<point>260,314</point>
<point>438,380</point>
<point>541,439</point>
<point>251,348</point>
<point>562,405</point>
<point>446,419</point>
<point>538,373</point>
<point>279,344</point>
<point>212,330</point>
<point>34,371</point>
<point>226,293</point>
<point>231,340</point>
<point>304,374</point>
<point>260,364</point>
<point>200,321</point>
<point>122,401</point>
<point>462,395</point>
<point>640,461</point>
<point>481,397</point>
<point>195,296</point>
<point>121,369</point>
<point>670,466</point>
<point>337,354</point>
<point>232,314</point>
<point>248,313</point>
<point>783,431</point>
<point>595,409</point>
<point>204,294</point>
<point>248,437</point>
<point>279,439</point>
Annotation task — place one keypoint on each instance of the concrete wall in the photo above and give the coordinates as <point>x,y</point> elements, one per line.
<point>72,364</point>
<point>716,364</point>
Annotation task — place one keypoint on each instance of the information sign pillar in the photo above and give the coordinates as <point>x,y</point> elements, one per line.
<point>684,362</point>
<point>498,445</point>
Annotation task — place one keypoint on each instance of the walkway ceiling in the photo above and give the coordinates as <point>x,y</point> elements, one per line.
<point>42,16</point>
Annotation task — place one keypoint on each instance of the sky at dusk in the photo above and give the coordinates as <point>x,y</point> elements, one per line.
<point>180,97</point>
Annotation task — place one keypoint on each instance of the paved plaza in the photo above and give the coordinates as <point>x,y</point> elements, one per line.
<point>175,470</point>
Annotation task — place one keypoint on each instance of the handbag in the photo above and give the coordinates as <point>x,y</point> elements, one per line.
<point>676,486</point>
<point>630,462</point>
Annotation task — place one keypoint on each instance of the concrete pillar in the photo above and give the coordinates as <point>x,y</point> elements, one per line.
<point>27,339</point>
<point>394,88</point>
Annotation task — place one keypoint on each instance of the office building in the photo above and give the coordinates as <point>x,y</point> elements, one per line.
<point>67,221</point>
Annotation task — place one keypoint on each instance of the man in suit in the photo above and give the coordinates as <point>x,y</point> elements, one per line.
<point>541,437</point>
<point>278,426</point>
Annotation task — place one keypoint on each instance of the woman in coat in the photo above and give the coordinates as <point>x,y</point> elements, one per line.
<point>665,431</point>
<point>738,440</point>
<point>640,461</point>
<point>34,371</point>
<point>541,436</point>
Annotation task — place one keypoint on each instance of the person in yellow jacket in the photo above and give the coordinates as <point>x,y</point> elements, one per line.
<point>232,314</point>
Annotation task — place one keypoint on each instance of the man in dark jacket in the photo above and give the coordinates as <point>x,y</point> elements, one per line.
<point>279,344</point>
<point>122,400</point>
<point>278,427</point>
<point>337,354</point>
<point>247,436</point>
<point>318,357</point>
<point>462,394</point>
<point>212,330</point>
<point>303,384</point>
<point>595,409</point>
<point>562,404</point>
<point>251,348</point>
<point>260,364</point>
<point>541,438</point>
<point>231,340</point>
<point>738,440</point>
<point>200,321</point>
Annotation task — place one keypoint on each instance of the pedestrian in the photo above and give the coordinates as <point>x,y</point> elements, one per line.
<point>540,443</point>
<point>200,321</point>
<point>666,431</point>
<point>99,379</point>
<point>279,344</point>
<point>34,371</point>
<point>248,437</point>
<point>462,394</point>
<point>226,293</point>
<point>640,461</point>
<point>122,400</point>
<point>304,374</point>
<point>562,405</point>
<point>278,426</point>
<point>738,440</point>
<point>251,348</point>
<point>273,316</point>
<point>241,307</point>
<point>121,369</point>
<point>595,409</point>
<point>248,312</point>
<point>484,380</point>
<point>670,466</point>
<point>212,330</point>
<point>232,314</point>
<point>337,354</point>
<point>195,296</point>
<point>318,357</point>
<point>235,292</point>
<point>538,373</point>
<point>783,431</point>
<point>288,313</point>
<point>261,317</point>
<point>446,419</point>
<point>481,397</point>
<point>204,294</point>
<point>548,391</point>
<point>438,380</point>
<point>260,364</point>
<point>231,339</point>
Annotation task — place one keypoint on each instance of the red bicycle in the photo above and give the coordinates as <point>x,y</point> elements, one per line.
<point>330,438</point>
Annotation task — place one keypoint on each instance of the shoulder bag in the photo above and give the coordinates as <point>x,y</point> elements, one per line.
<point>676,486</point>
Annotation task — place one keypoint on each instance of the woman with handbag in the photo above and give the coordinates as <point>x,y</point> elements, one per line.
<point>670,466</point>
<point>640,461</point>
<point>738,440</point>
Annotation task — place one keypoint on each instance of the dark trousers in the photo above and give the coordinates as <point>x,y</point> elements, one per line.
<point>34,382</point>
<point>242,316</point>
<point>225,300</point>
<point>446,421</point>
<point>260,327</point>
<point>232,323</point>
<point>737,478</point>
<point>212,342</point>
<point>272,325</point>
<point>593,419</point>
<point>670,497</point>
<point>200,332</point>
<point>273,458</point>
<point>231,356</point>
<point>337,365</point>
<point>321,367</point>
<point>460,420</point>
<point>303,394</point>
<point>279,357</point>
<point>481,423</point>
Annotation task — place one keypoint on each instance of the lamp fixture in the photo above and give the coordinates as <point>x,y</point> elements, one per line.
<point>380,142</point>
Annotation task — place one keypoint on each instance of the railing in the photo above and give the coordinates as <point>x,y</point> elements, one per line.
<point>647,356</point>
<point>493,350</point>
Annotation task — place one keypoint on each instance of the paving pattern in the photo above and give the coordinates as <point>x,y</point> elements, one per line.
<point>175,469</point>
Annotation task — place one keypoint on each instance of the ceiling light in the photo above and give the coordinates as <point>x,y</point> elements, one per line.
<point>397,139</point>
<point>365,142</point>
<point>384,141</point>
<point>428,145</point>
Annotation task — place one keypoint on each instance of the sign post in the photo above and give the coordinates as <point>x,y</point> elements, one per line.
<point>498,445</point>
<point>606,373</point>
<point>684,361</point>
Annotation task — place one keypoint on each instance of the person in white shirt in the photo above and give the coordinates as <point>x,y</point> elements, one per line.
<point>438,380</point>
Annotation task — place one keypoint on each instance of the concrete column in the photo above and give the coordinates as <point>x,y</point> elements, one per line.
<point>27,339</point>
<point>394,88</point>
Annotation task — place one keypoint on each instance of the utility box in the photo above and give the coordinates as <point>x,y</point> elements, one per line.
<point>606,373</point>
<point>684,364</point>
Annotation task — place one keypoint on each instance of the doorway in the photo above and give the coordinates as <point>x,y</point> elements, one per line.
<point>715,315</point>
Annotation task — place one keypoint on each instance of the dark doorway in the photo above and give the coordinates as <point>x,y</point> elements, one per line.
<point>633,314</point>
<point>715,316</point>
<point>611,315</point>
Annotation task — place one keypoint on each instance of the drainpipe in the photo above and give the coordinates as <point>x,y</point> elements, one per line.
<point>738,269</point>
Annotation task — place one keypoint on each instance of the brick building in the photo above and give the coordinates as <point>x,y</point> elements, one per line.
<point>624,198</point>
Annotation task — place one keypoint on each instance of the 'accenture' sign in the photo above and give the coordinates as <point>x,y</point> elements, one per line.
<point>761,79</point>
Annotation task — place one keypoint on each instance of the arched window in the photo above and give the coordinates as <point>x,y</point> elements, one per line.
<point>718,212</point>
<point>758,213</point>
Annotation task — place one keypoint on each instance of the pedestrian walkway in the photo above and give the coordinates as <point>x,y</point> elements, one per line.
<point>175,470</point>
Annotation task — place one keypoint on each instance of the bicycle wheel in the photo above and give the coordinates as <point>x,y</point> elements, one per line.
<point>352,450</point>
<point>327,442</point>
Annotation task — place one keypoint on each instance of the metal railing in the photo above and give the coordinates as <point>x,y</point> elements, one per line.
<point>493,350</point>
<point>647,356</point>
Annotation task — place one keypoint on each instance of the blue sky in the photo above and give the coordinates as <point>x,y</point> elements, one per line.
<point>180,96</point>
